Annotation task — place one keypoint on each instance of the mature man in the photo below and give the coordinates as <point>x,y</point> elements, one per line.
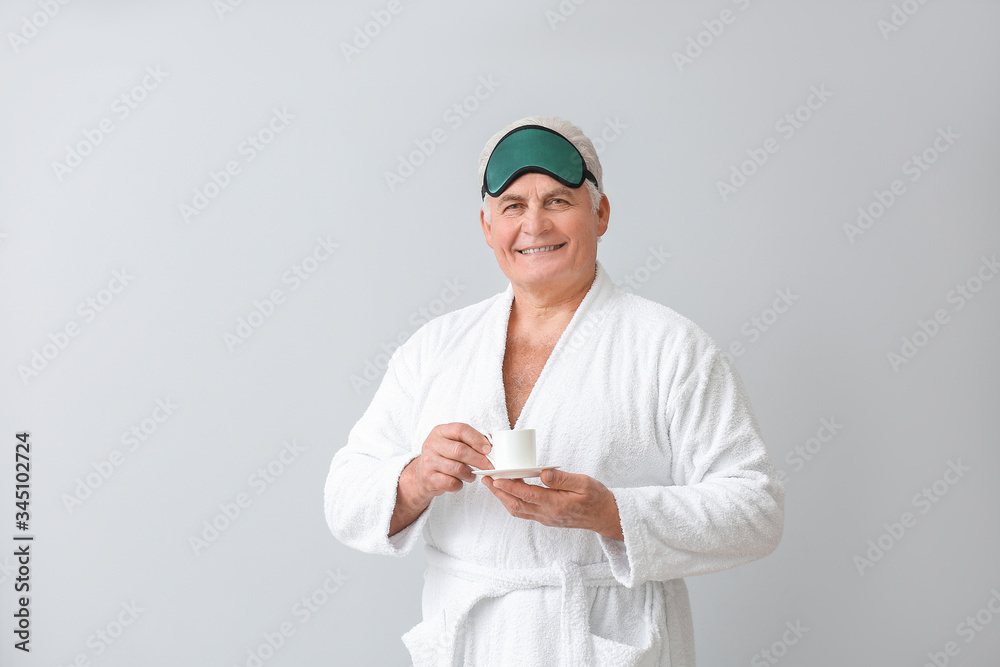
<point>663,473</point>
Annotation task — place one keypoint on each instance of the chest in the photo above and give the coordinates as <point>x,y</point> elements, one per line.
<point>592,401</point>
<point>523,362</point>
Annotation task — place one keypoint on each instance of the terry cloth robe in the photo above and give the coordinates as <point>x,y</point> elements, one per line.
<point>633,395</point>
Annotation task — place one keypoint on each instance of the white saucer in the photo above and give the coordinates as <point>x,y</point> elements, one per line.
<point>513,473</point>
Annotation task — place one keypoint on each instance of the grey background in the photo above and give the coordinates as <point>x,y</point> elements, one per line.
<point>680,131</point>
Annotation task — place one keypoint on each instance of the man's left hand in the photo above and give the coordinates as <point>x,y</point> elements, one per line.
<point>566,501</point>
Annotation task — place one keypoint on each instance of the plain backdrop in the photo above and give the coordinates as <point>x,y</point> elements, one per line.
<point>218,218</point>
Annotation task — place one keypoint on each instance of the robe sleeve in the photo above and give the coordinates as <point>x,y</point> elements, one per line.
<point>360,491</point>
<point>726,506</point>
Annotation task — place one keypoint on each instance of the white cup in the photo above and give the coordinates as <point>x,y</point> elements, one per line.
<point>512,449</point>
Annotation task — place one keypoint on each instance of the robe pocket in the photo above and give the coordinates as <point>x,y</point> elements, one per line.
<point>611,652</point>
<point>425,641</point>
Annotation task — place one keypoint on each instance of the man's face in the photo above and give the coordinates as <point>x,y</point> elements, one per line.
<point>554,223</point>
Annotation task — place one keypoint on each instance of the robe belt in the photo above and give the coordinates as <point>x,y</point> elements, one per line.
<point>576,643</point>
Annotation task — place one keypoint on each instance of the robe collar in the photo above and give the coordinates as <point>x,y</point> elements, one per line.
<point>570,348</point>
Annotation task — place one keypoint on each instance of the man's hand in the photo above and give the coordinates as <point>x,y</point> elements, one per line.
<point>445,459</point>
<point>570,501</point>
<point>443,465</point>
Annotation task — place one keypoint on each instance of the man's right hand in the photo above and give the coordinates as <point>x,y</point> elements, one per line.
<point>444,463</point>
<point>447,457</point>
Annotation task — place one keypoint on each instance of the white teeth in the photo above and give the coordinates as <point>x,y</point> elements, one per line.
<point>532,250</point>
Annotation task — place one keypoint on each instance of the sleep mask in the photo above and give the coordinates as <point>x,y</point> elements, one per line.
<point>533,148</point>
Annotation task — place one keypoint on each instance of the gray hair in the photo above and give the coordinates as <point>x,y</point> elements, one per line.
<point>567,129</point>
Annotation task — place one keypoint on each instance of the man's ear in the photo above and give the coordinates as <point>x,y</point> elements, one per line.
<point>487,228</point>
<point>603,215</point>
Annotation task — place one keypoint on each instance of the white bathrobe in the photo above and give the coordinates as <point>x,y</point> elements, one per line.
<point>633,395</point>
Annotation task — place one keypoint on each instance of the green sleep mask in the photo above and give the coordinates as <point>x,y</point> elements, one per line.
<point>533,148</point>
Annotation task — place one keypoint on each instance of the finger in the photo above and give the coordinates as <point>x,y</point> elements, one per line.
<point>457,450</point>
<point>468,435</point>
<point>450,467</point>
<point>521,509</point>
<point>472,438</point>
<point>435,467</point>
<point>565,481</point>
<point>488,483</point>
<point>494,485</point>
<point>460,471</point>
<point>444,483</point>
<point>521,490</point>
<point>514,505</point>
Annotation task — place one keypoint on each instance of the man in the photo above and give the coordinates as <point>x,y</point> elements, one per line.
<point>662,475</point>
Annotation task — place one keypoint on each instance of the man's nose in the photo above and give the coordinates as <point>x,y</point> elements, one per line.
<point>536,220</point>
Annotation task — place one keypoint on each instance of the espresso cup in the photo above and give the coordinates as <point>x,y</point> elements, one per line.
<point>512,449</point>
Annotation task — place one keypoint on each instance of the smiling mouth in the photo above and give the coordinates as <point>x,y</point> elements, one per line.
<point>531,251</point>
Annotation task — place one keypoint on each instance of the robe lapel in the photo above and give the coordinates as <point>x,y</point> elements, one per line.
<point>489,365</point>
<point>588,316</point>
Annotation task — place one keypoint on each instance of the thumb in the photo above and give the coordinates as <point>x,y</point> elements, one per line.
<point>557,479</point>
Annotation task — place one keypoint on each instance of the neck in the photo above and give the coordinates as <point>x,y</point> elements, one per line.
<point>537,309</point>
